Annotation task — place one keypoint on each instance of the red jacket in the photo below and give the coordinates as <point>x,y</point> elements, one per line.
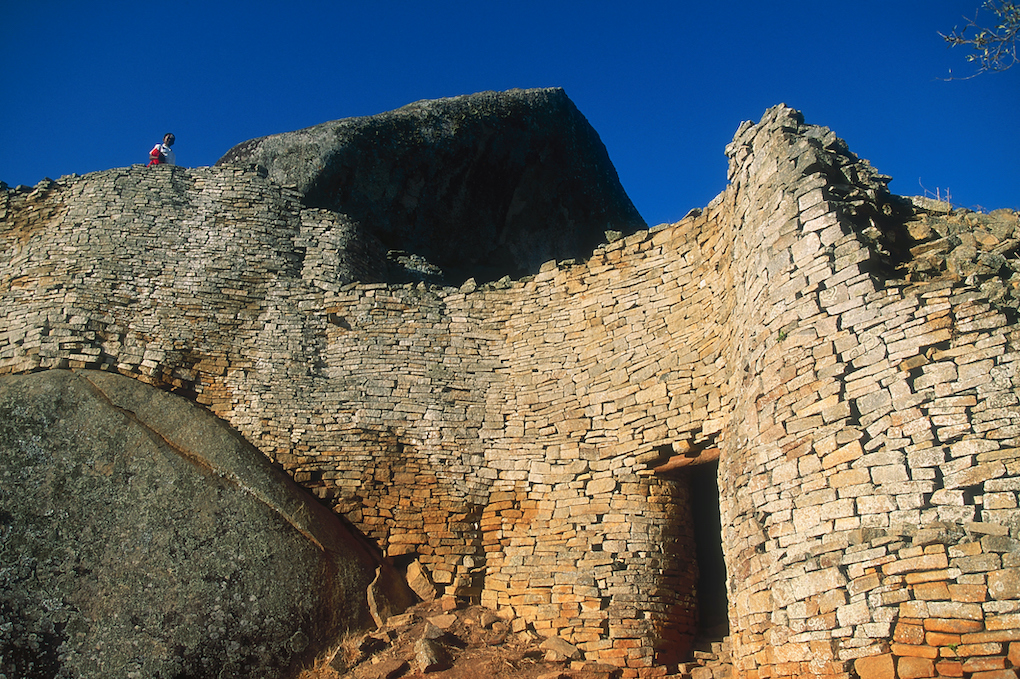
<point>156,156</point>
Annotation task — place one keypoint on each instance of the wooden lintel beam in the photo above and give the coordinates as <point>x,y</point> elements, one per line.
<point>680,461</point>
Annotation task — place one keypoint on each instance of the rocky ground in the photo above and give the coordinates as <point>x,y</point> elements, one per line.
<point>441,640</point>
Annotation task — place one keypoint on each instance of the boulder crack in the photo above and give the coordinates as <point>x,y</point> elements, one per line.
<point>202,463</point>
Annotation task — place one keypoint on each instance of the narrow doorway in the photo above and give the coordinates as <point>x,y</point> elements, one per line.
<point>711,588</point>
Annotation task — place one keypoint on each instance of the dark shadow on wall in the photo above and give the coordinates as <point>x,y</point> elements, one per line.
<point>711,590</point>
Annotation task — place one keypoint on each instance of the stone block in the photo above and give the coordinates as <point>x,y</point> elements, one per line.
<point>975,475</point>
<point>876,667</point>
<point>418,580</point>
<point>932,591</point>
<point>979,563</point>
<point>965,549</point>
<point>865,583</point>
<point>912,651</point>
<point>953,625</point>
<point>431,656</point>
<point>560,648</point>
<point>1004,584</point>
<point>984,664</point>
<point>981,637</point>
<point>942,639</point>
<point>949,668</point>
<point>926,562</point>
<point>995,674</point>
<point>1006,621</point>
<point>985,649</point>
<point>968,593</point>
<point>953,609</point>
<point>906,633</point>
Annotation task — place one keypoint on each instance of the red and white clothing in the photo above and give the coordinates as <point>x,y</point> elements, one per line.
<point>162,154</point>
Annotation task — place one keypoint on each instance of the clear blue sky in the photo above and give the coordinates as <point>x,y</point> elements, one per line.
<point>92,85</point>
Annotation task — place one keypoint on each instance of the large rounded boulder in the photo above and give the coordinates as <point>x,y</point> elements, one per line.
<point>142,537</point>
<point>483,185</point>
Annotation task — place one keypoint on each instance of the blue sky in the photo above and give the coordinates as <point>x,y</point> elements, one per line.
<point>89,86</point>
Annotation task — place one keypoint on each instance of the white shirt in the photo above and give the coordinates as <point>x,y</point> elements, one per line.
<point>168,153</point>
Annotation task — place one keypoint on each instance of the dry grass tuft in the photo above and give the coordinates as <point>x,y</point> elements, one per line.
<point>349,651</point>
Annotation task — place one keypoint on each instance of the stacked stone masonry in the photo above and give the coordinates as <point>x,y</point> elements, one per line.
<point>505,438</point>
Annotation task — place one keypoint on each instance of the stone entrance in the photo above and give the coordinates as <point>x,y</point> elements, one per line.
<point>713,613</point>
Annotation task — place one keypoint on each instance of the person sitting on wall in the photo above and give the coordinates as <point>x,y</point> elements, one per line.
<point>162,154</point>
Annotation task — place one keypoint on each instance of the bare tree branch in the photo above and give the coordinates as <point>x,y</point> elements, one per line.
<point>994,46</point>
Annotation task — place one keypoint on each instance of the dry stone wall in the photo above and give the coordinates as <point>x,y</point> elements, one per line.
<point>869,496</point>
<point>525,444</point>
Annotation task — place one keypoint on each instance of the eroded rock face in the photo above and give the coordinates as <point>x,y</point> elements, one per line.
<point>480,185</point>
<point>140,536</point>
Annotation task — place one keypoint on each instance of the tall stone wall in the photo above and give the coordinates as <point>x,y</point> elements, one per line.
<point>870,493</point>
<point>526,442</point>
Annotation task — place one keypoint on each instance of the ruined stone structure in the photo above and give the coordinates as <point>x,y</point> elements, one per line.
<point>530,443</point>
